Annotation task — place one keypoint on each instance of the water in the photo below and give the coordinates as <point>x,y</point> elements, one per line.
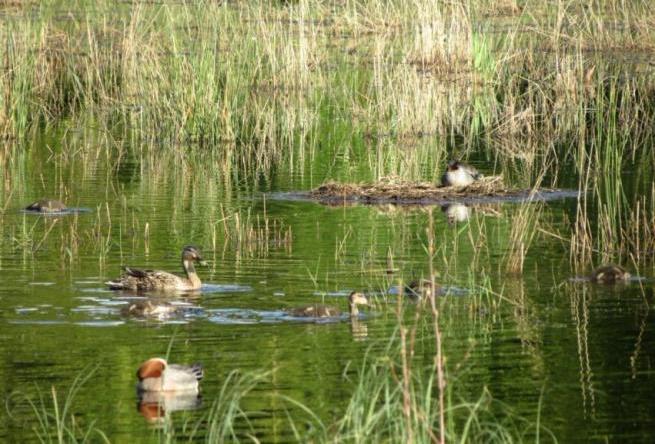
<point>581,350</point>
<point>304,101</point>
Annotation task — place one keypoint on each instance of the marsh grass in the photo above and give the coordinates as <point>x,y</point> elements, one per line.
<point>55,419</point>
<point>395,397</point>
<point>211,97</point>
<point>193,73</point>
<point>392,88</point>
<point>376,411</point>
<point>521,235</point>
<point>226,419</point>
<point>262,85</point>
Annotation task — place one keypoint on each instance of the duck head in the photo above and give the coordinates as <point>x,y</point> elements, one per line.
<point>610,274</point>
<point>191,253</point>
<point>357,298</point>
<point>453,165</point>
<point>152,368</point>
<point>354,299</point>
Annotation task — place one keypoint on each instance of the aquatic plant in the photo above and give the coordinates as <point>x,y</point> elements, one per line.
<point>56,421</point>
<point>226,419</point>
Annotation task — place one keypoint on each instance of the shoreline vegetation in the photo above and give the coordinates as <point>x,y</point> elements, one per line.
<point>539,92</point>
<point>545,95</point>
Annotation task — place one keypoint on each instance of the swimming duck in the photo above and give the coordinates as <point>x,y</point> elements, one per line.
<point>46,206</point>
<point>609,274</point>
<point>147,280</point>
<point>149,309</point>
<point>322,311</point>
<point>157,375</point>
<point>421,289</point>
<point>459,174</point>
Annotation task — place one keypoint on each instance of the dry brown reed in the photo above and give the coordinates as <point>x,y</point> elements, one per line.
<point>397,190</point>
<point>264,85</point>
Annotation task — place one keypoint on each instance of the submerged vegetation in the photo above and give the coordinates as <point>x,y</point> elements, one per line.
<point>206,104</point>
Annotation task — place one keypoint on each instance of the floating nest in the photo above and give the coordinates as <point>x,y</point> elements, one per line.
<point>393,190</point>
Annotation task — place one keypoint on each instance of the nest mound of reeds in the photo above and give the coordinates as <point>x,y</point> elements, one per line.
<point>392,189</point>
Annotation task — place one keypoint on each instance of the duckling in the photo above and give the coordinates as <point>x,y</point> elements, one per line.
<point>149,309</point>
<point>46,206</point>
<point>157,375</point>
<point>609,274</point>
<point>423,288</point>
<point>459,174</point>
<point>322,311</point>
<point>148,280</point>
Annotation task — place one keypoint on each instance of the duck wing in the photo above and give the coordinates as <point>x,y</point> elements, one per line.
<point>137,272</point>
<point>182,377</point>
<point>194,370</point>
<point>315,311</point>
<point>146,280</point>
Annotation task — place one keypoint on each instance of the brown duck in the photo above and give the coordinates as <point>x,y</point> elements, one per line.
<point>422,288</point>
<point>609,274</point>
<point>323,311</point>
<point>148,280</point>
<point>46,206</point>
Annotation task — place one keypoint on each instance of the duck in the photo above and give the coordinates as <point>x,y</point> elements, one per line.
<point>149,309</point>
<point>157,375</point>
<point>46,206</point>
<point>459,174</point>
<point>323,311</point>
<point>147,280</point>
<point>422,288</point>
<point>609,274</point>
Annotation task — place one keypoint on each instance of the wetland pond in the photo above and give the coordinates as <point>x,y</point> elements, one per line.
<point>582,352</point>
<point>163,124</point>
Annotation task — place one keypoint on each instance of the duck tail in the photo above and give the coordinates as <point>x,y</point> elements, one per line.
<point>197,371</point>
<point>115,285</point>
<point>136,272</point>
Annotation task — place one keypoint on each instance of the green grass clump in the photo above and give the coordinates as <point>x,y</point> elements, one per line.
<point>54,420</point>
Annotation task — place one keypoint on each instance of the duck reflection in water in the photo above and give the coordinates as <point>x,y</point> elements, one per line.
<point>456,212</point>
<point>156,407</point>
<point>358,329</point>
<point>151,309</point>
